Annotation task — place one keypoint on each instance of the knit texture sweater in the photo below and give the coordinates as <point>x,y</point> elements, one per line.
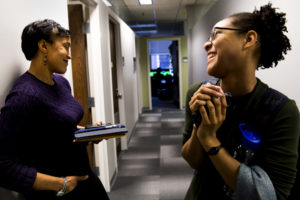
<point>37,125</point>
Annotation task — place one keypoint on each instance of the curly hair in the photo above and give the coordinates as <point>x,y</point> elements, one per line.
<point>38,30</point>
<point>270,27</point>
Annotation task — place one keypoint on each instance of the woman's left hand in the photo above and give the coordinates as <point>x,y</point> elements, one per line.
<point>80,127</point>
<point>211,120</point>
<point>99,123</point>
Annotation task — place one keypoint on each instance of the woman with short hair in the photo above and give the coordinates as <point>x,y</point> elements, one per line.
<point>38,157</point>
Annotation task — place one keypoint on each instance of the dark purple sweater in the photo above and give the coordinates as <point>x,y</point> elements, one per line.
<point>36,133</point>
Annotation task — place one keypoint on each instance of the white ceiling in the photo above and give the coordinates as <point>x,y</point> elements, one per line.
<point>168,15</point>
<point>165,10</point>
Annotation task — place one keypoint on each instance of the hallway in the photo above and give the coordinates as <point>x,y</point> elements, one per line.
<point>152,168</point>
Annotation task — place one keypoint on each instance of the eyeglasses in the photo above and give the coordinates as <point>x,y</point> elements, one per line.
<point>213,34</point>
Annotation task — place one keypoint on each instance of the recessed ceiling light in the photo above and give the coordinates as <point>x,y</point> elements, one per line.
<point>145,2</point>
<point>146,32</point>
<point>143,26</point>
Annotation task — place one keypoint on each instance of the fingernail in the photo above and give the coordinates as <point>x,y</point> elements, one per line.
<point>219,88</point>
<point>219,94</point>
<point>207,83</point>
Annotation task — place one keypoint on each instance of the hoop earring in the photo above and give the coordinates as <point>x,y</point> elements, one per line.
<point>45,60</point>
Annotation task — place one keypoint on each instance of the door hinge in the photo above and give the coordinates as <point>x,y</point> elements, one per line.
<point>86,27</point>
<point>91,102</point>
<point>96,171</point>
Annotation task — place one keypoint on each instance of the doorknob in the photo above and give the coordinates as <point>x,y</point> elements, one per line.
<point>119,95</point>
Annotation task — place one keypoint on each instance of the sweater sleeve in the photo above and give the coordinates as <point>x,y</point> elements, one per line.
<point>254,183</point>
<point>280,152</point>
<point>188,123</point>
<point>14,117</point>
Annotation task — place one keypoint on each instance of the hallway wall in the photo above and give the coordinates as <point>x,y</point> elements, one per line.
<point>101,78</point>
<point>130,80</point>
<point>14,17</point>
<point>283,78</point>
<point>127,81</point>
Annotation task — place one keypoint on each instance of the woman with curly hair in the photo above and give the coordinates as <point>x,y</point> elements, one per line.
<point>238,46</point>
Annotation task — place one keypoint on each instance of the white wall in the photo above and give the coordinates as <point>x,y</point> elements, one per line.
<point>127,72</point>
<point>105,152</point>
<point>101,79</point>
<point>139,77</point>
<point>130,92</point>
<point>107,104</point>
<point>284,77</point>
<point>14,16</point>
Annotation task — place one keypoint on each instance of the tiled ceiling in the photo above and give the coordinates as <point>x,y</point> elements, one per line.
<point>167,15</point>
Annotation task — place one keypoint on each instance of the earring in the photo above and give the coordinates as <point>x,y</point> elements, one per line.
<point>45,60</point>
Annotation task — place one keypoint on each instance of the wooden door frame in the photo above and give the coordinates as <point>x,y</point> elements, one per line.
<point>79,63</point>
<point>80,67</point>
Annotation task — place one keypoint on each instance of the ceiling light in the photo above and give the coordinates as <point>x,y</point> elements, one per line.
<point>106,2</point>
<point>146,32</point>
<point>145,2</point>
<point>143,26</point>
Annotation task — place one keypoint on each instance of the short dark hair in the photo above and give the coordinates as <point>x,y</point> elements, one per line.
<point>42,29</point>
<point>270,26</point>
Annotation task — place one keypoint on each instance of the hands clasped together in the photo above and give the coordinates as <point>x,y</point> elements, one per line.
<point>210,101</point>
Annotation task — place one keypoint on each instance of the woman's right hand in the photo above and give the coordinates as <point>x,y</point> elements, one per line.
<point>203,94</point>
<point>72,182</point>
<point>53,183</point>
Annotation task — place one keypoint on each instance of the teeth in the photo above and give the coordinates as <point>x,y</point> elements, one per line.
<point>211,55</point>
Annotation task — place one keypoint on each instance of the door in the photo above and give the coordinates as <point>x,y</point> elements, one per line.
<point>115,91</point>
<point>164,73</point>
<point>79,66</point>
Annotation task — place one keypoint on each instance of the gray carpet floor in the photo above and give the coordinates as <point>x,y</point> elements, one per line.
<point>152,168</point>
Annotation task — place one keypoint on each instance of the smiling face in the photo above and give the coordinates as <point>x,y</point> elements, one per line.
<point>59,54</point>
<point>224,51</point>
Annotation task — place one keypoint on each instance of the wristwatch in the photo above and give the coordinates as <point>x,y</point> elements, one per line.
<point>63,190</point>
<point>214,150</point>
